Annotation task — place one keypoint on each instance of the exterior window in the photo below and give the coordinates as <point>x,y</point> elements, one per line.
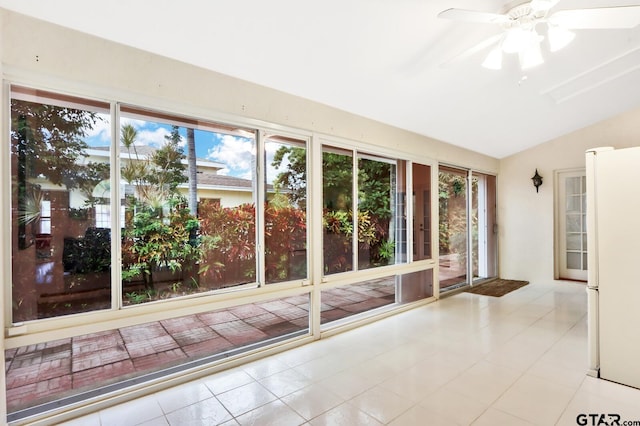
<point>60,261</point>
<point>45,217</point>
<point>380,204</point>
<point>337,220</point>
<point>345,301</point>
<point>285,229</point>
<point>103,216</point>
<point>173,245</point>
<point>379,223</point>
<point>85,365</point>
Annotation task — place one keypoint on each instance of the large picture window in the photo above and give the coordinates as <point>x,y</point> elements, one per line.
<point>161,227</point>
<point>190,206</point>
<point>61,259</point>
<point>181,206</point>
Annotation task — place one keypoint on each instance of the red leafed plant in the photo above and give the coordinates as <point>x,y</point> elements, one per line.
<point>228,242</point>
<point>229,246</point>
<point>285,241</point>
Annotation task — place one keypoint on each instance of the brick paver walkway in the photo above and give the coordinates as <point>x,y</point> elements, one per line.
<point>53,370</point>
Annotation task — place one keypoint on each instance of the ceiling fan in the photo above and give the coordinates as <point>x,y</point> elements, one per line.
<point>520,28</point>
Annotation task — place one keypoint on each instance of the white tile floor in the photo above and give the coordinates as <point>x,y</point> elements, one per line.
<point>467,359</point>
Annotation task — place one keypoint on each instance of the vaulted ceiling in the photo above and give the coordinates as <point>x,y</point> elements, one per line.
<point>393,61</point>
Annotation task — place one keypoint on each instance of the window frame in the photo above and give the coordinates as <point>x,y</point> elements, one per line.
<point>41,330</point>
<point>36,331</point>
<point>338,144</point>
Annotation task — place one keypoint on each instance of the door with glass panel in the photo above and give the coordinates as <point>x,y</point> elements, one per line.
<point>483,226</point>
<point>453,242</point>
<point>421,211</point>
<point>467,227</point>
<point>572,231</point>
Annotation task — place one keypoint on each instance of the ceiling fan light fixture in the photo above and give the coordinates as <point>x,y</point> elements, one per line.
<point>559,37</point>
<point>493,61</point>
<point>515,40</point>
<point>531,56</point>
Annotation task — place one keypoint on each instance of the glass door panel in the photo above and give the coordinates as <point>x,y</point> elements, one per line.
<point>572,233</point>
<point>452,227</point>
<point>421,212</point>
<point>483,221</point>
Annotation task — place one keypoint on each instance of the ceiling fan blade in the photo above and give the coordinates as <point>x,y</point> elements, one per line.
<point>473,50</point>
<point>473,16</point>
<point>597,18</point>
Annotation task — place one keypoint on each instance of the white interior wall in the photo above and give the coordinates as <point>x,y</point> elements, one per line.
<point>526,219</point>
<point>35,49</point>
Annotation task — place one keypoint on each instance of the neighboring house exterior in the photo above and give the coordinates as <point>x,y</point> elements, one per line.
<point>229,191</point>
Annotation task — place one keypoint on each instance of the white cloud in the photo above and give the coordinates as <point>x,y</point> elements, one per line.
<point>150,133</point>
<point>100,134</point>
<point>237,154</point>
<point>137,124</point>
<point>155,137</point>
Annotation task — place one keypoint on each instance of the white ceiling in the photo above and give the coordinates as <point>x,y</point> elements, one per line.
<point>382,59</point>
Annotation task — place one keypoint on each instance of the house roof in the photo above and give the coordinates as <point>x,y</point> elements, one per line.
<point>146,151</point>
<point>223,180</point>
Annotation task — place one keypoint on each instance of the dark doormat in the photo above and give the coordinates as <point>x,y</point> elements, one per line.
<point>497,288</point>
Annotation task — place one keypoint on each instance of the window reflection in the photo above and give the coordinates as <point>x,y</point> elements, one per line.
<point>337,213</point>
<point>188,196</point>
<point>285,229</point>
<point>60,259</point>
<point>380,218</point>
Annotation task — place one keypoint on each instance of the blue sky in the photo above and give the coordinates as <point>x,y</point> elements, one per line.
<point>234,152</point>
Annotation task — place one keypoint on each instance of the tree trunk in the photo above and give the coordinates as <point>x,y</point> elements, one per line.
<point>193,176</point>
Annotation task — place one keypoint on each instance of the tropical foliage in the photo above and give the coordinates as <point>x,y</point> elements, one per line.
<point>48,141</point>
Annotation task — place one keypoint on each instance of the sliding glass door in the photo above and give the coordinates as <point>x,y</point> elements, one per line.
<point>467,227</point>
<point>453,239</point>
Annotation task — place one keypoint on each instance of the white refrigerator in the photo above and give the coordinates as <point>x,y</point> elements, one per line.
<point>613,246</point>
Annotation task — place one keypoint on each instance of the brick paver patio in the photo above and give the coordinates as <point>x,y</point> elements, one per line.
<point>53,370</point>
